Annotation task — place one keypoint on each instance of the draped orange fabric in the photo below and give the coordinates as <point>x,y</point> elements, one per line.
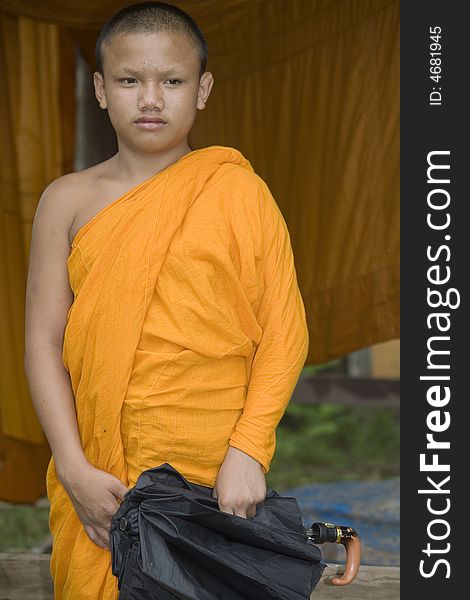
<point>187,334</point>
<point>35,147</point>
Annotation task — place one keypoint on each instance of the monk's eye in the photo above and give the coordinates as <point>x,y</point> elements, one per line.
<point>174,82</point>
<point>128,80</point>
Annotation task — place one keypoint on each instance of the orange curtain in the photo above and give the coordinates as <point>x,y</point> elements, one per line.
<point>308,90</point>
<point>36,147</point>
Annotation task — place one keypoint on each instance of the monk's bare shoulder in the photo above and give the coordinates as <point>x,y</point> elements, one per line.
<point>68,196</point>
<point>48,292</point>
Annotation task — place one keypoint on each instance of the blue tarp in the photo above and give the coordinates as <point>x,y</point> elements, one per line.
<point>371,507</point>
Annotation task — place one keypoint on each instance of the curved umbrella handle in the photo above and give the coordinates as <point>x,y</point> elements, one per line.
<point>339,534</point>
<point>353,561</point>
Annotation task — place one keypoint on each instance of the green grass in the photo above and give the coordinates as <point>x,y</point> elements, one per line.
<point>22,527</point>
<point>320,443</point>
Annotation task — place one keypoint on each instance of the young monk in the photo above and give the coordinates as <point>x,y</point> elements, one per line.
<point>164,322</point>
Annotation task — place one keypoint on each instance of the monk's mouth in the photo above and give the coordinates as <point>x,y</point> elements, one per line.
<point>150,125</point>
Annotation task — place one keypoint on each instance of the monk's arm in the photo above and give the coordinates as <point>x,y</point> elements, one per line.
<point>282,351</point>
<point>48,298</point>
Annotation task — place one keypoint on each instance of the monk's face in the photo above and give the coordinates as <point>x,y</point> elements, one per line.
<point>152,89</point>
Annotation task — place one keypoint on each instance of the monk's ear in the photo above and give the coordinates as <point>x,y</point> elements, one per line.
<point>205,85</point>
<point>100,93</point>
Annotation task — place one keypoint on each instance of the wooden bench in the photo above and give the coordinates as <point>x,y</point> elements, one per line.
<point>27,577</point>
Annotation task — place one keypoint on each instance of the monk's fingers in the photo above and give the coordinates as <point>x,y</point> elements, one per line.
<point>239,512</point>
<point>102,524</point>
<point>103,534</point>
<point>225,507</point>
<point>233,509</point>
<point>104,512</point>
<point>100,512</point>
<point>246,512</point>
<point>118,489</point>
<point>94,536</point>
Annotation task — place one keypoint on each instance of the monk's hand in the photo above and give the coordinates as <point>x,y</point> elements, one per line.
<point>240,484</point>
<point>95,495</point>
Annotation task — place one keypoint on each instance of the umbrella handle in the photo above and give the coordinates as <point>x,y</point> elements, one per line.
<point>320,533</point>
<point>353,560</point>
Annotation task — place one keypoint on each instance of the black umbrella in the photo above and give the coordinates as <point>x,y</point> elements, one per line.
<point>169,539</point>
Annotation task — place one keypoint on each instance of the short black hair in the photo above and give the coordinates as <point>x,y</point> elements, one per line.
<point>148,17</point>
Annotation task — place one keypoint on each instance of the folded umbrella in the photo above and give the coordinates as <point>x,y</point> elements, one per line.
<point>169,539</point>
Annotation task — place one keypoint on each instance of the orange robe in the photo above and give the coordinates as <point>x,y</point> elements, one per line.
<point>187,334</point>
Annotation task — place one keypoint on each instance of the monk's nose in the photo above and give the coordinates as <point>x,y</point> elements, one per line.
<point>151,98</point>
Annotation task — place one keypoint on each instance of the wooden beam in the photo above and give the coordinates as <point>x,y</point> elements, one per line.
<point>371,583</point>
<point>26,576</point>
